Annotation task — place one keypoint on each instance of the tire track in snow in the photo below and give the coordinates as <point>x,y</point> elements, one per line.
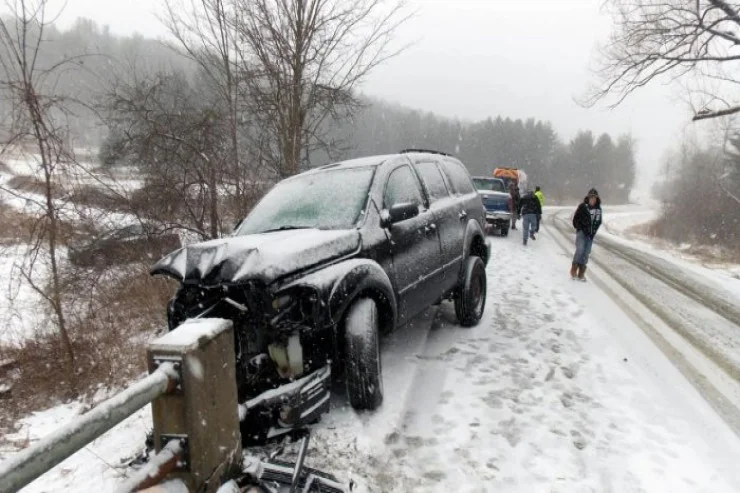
<point>499,379</point>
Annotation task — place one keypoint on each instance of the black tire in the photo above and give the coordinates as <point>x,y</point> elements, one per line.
<point>470,299</point>
<point>363,374</point>
<point>505,232</point>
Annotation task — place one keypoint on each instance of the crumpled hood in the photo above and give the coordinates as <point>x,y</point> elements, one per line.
<point>265,257</point>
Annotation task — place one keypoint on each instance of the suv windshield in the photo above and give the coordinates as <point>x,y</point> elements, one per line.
<point>489,185</point>
<point>330,199</point>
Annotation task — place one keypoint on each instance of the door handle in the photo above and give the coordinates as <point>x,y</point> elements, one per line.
<point>463,215</point>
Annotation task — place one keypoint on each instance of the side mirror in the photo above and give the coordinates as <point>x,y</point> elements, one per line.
<point>398,213</point>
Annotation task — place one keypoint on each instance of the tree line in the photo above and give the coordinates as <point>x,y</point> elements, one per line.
<point>700,196</point>
<point>565,169</point>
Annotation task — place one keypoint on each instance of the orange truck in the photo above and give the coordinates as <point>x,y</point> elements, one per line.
<point>511,175</point>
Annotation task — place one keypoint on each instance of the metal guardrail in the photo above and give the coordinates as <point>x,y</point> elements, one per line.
<point>195,422</point>
<point>32,462</point>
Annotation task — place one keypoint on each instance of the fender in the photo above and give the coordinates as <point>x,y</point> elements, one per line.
<point>340,284</point>
<point>473,230</point>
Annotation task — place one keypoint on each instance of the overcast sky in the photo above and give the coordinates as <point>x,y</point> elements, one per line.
<point>480,58</point>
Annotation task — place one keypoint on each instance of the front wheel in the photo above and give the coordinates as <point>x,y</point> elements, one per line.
<point>362,356</point>
<point>470,299</point>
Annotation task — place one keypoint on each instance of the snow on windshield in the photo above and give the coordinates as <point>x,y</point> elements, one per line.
<point>331,199</point>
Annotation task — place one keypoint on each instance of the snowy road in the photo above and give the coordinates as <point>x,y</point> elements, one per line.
<point>556,391</point>
<point>693,316</point>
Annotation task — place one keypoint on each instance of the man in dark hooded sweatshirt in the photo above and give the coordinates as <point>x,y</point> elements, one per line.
<point>529,210</point>
<point>586,221</point>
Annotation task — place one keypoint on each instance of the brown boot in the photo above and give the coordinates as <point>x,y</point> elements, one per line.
<point>574,271</point>
<point>582,272</point>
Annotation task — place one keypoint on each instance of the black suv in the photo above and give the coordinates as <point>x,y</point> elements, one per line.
<point>326,262</point>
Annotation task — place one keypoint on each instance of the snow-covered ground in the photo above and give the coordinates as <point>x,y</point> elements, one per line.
<point>556,390</point>
<point>21,318</point>
<point>19,314</point>
<point>617,224</point>
<point>97,467</point>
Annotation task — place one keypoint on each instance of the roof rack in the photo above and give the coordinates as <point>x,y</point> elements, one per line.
<point>428,151</point>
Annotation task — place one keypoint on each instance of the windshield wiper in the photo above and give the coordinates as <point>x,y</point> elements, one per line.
<point>286,228</point>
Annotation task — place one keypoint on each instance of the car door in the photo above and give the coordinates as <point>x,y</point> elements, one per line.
<point>466,205</point>
<point>414,245</point>
<point>444,209</point>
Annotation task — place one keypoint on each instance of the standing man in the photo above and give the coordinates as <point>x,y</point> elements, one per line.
<point>586,221</point>
<point>530,209</point>
<point>514,203</point>
<point>541,197</point>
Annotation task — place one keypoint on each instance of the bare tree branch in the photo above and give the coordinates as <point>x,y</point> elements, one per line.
<point>667,39</point>
<point>304,59</point>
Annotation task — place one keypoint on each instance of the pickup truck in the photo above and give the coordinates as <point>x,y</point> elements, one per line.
<point>496,201</point>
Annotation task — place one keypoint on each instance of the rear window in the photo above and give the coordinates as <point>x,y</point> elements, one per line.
<point>433,180</point>
<point>459,177</point>
<point>489,185</point>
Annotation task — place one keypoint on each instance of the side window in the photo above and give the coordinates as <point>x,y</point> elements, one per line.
<point>433,181</point>
<point>402,187</point>
<point>459,177</point>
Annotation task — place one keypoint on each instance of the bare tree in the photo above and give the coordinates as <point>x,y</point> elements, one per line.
<point>179,137</point>
<point>205,33</point>
<point>665,40</point>
<point>302,61</point>
<point>39,123</point>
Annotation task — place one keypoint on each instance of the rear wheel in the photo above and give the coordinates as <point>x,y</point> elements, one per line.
<point>505,231</point>
<point>363,374</point>
<point>470,300</point>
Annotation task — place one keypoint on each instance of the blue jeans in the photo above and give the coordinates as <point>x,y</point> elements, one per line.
<point>529,223</point>
<point>583,248</point>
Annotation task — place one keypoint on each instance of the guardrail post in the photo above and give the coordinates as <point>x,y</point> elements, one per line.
<point>202,413</point>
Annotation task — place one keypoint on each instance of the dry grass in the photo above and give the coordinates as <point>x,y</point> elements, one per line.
<point>125,310</point>
<point>18,227</point>
<point>91,196</point>
<point>31,184</point>
<point>15,227</point>
<point>80,195</point>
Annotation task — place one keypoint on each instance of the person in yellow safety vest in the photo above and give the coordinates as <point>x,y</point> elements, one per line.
<point>541,197</point>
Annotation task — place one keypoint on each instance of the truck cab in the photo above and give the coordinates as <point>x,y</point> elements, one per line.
<point>493,193</point>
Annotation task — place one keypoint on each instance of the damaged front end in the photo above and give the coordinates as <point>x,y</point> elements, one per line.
<point>283,348</point>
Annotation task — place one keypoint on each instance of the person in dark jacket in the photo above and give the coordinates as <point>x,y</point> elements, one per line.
<point>530,209</point>
<point>514,199</point>
<point>586,221</point>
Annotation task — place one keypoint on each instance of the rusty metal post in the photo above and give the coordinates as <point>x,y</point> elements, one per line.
<point>202,413</point>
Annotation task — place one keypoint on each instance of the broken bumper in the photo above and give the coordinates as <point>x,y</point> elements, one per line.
<point>311,480</point>
<point>285,408</point>
<point>274,475</point>
<point>498,216</point>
